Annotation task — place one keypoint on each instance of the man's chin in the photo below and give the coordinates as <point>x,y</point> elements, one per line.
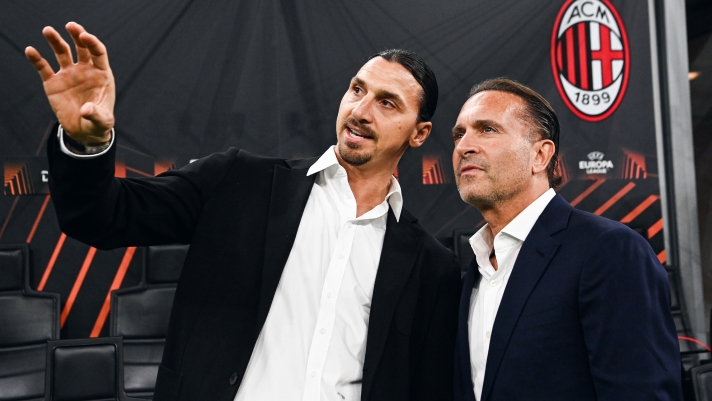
<point>477,198</point>
<point>353,154</point>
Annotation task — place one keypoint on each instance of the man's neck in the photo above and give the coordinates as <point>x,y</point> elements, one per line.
<point>498,216</point>
<point>369,184</point>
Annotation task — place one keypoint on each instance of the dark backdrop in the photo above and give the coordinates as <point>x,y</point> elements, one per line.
<point>198,77</point>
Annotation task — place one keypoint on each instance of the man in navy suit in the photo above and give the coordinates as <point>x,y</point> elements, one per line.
<point>558,304</point>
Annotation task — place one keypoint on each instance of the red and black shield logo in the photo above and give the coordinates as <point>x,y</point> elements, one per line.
<point>590,58</point>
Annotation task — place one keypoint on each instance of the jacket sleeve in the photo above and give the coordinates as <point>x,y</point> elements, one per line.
<point>624,302</point>
<point>107,212</point>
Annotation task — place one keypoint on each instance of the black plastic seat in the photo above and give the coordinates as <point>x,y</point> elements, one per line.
<point>702,382</point>
<point>140,315</point>
<point>28,319</point>
<point>85,370</point>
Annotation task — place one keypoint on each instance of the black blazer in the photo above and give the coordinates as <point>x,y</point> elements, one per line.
<point>585,316</point>
<point>240,213</point>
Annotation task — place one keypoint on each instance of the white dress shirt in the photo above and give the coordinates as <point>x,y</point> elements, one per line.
<point>487,296</point>
<point>313,342</point>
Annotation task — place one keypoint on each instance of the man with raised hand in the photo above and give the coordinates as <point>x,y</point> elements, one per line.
<point>558,304</point>
<point>305,279</point>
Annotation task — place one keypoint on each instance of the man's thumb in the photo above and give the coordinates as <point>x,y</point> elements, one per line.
<point>102,118</point>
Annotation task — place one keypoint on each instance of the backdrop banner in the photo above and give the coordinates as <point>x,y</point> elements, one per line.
<point>267,76</point>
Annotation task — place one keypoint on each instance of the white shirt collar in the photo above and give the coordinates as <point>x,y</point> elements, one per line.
<point>329,161</point>
<point>520,226</point>
<point>516,231</point>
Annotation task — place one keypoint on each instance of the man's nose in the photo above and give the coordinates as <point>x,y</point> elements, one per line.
<point>363,112</point>
<point>467,144</point>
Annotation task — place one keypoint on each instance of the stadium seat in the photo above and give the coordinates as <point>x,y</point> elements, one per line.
<point>28,320</point>
<point>140,315</point>
<point>702,382</point>
<point>84,370</point>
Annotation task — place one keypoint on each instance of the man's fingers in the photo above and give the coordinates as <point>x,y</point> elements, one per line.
<point>97,50</point>
<point>74,29</point>
<point>61,49</point>
<point>41,65</point>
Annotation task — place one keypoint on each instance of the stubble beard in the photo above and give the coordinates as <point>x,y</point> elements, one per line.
<point>490,192</point>
<point>479,198</point>
<point>353,153</point>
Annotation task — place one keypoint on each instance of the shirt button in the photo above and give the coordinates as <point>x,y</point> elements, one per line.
<point>349,224</point>
<point>313,374</point>
<point>322,331</point>
<point>488,334</point>
<point>328,295</point>
<point>493,283</point>
<point>233,378</point>
<point>341,171</point>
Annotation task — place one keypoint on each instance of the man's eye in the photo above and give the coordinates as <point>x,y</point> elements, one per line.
<point>388,103</point>
<point>489,129</point>
<point>357,89</point>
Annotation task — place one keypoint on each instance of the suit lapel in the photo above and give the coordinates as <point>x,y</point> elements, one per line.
<point>400,250</point>
<point>290,191</point>
<point>463,365</point>
<point>533,259</point>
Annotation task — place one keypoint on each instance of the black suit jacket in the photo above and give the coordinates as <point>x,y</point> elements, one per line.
<point>585,316</point>
<point>240,213</point>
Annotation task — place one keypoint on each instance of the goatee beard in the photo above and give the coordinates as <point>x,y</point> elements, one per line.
<point>349,151</point>
<point>350,154</point>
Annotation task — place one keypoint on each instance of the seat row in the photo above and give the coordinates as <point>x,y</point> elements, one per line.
<point>36,365</point>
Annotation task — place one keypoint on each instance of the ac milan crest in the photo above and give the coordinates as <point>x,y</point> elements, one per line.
<point>590,58</point>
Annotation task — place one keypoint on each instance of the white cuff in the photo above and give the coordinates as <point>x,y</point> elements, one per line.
<point>68,152</point>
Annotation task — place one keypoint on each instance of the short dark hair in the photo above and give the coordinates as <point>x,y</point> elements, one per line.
<point>537,110</point>
<point>422,73</point>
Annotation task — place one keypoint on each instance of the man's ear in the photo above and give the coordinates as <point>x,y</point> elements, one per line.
<point>543,152</point>
<point>422,132</point>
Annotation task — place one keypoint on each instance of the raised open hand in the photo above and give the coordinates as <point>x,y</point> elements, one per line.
<point>81,94</point>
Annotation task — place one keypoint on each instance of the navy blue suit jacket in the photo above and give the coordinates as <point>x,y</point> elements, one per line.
<point>585,316</point>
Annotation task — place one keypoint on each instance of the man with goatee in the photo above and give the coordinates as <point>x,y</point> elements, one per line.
<point>305,279</point>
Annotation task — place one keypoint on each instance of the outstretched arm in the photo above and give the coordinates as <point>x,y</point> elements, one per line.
<point>81,94</point>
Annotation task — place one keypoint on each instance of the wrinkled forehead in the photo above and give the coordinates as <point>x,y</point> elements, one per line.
<point>493,105</point>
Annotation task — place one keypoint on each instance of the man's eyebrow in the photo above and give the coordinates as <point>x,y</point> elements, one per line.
<point>478,124</point>
<point>482,123</point>
<point>380,93</point>
<point>384,94</point>
<point>358,81</point>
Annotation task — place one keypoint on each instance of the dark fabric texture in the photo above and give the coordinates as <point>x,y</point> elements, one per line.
<point>240,213</point>
<point>585,316</point>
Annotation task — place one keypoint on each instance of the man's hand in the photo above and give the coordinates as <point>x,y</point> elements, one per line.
<point>81,94</point>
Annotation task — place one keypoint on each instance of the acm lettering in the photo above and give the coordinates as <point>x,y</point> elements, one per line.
<point>584,11</point>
